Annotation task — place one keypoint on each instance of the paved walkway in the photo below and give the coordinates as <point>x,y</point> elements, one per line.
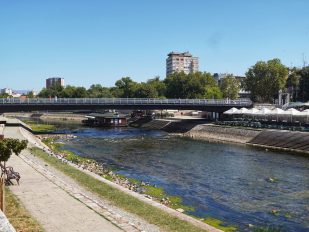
<point>53,207</point>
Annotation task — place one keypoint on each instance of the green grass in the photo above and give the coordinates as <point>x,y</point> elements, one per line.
<point>38,127</point>
<point>18,216</point>
<point>219,224</point>
<point>151,214</point>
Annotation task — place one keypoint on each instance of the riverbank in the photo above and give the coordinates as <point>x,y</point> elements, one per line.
<point>142,206</point>
<point>65,116</point>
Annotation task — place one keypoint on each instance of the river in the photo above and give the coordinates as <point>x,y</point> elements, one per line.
<point>237,184</point>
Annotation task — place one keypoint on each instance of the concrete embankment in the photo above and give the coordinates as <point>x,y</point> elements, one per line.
<point>292,141</point>
<point>218,133</point>
<point>168,125</point>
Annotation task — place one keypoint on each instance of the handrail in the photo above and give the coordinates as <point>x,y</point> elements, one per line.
<point>122,101</point>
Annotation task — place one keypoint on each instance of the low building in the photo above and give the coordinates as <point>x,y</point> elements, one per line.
<point>108,119</point>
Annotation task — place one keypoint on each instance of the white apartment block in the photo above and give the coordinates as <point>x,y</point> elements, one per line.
<point>178,62</point>
<point>7,91</point>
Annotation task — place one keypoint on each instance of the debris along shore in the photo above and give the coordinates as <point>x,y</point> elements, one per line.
<point>141,191</point>
<point>141,187</point>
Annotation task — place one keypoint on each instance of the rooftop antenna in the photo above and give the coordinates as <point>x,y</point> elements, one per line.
<point>304,60</point>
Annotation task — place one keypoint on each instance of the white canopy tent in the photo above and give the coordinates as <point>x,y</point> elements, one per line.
<point>276,113</point>
<point>241,111</point>
<point>263,113</point>
<point>288,114</point>
<point>292,112</point>
<point>252,111</point>
<point>231,111</point>
<point>304,115</point>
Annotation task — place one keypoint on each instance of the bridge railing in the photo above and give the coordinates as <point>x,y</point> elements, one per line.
<point>124,101</point>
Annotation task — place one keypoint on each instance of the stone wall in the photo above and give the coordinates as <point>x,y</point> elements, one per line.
<point>220,133</point>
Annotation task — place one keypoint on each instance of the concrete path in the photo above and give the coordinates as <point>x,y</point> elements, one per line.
<point>54,208</point>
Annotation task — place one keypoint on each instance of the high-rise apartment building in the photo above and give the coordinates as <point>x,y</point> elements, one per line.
<point>178,62</point>
<point>6,91</point>
<point>54,81</point>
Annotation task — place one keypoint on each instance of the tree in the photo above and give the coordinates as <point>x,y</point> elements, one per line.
<point>230,87</point>
<point>293,82</point>
<point>193,85</point>
<point>97,91</point>
<point>265,79</point>
<point>145,90</point>
<point>53,91</point>
<point>158,85</point>
<point>304,84</point>
<point>30,94</point>
<point>10,146</point>
<point>4,95</point>
<point>126,87</point>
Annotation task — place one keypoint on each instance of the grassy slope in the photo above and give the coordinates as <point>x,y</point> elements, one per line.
<point>18,216</point>
<point>39,127</point>
<point>152,214</point>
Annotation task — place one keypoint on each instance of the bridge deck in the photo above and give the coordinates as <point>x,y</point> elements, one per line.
<point>29,104</point>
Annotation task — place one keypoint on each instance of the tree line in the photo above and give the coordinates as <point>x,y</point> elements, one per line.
<point>177,85</point>
<point>263,80</point>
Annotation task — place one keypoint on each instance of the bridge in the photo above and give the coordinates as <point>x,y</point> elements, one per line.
<point>70,104</point>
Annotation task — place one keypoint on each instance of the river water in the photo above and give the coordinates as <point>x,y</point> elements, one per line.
<point>236,184</point>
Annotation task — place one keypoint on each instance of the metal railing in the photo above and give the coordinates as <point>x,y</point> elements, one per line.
<point>124,101</point>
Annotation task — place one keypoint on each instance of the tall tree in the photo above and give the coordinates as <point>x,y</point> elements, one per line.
<point>158,85</point>
<point>194,85</point>
<point>293,82</point>
<point>98,91</point>
<point>145,90</point>
<point>304,84</point>
<point>126,87</point>
<point>265,79</point>
<point>53,91</point>
<point>230,87</point>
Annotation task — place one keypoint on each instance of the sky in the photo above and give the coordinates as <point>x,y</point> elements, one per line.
<point>100,41</point>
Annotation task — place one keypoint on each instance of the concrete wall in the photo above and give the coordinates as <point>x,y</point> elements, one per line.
<point>5,225</point>
<point>220,133</point>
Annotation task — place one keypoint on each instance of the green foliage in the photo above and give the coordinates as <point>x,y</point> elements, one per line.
<point>145,90</point>
<point>265,79</point>
<point>230,87</point>
<point>30,94</point>
<point>159,86</point>
<point>4,95</point>
<point>38,127</point>
<point>126,87</point>
<point>53,91</point>
<point>10,146</point>
<point>293,83</point>
<point>195,85</point>
<point>97,91</point>
<point>304,84</point>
